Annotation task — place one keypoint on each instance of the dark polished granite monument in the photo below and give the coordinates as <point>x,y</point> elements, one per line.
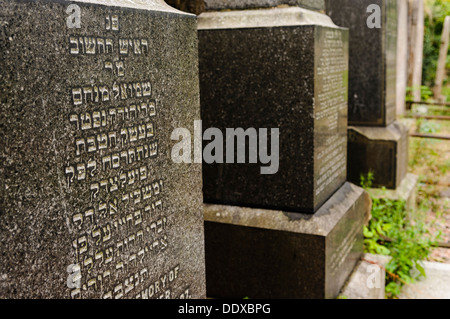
<point>297,231</point>
<point>377,142</point>
<point>276,68</point>
<point>276,254</point>
<point>92,205</point>
<point>372,66</point>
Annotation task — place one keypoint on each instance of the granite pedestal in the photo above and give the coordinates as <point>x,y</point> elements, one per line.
<point>380,150</point>
<point>260,253</point>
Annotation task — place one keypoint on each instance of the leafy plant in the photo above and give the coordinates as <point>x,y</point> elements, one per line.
<point>391,232</point>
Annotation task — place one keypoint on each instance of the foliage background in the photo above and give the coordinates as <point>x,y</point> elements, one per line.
<point>435,13</point>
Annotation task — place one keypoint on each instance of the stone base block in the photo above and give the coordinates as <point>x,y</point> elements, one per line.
<point>382,150</point>
<point>405,191</point>
<point>259,253</point>
<point>368,279</point>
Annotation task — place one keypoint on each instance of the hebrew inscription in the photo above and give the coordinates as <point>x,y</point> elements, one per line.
<point>121,228</point>
<point>331,106</point>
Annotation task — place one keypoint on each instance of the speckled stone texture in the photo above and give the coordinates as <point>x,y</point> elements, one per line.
<point>382,150</point>
<point>259,253</point>
<point>92,205</point>
<point>289,77</point>
<point>372,69</point>
<point>249,4</point>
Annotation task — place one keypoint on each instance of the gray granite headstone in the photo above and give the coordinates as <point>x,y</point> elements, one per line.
<point>92,205</point>
<point>376,142</point>
<point>372,68</point>
<point>280,68</point>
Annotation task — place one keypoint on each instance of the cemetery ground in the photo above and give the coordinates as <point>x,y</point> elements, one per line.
<point>427,234</point>
<point>430,160</point>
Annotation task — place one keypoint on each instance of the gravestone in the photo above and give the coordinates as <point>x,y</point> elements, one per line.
<point>372,67</point>
<point>92,205</point>
<point>295,232</point>
<point>376,141</point>
<point>280,68</point>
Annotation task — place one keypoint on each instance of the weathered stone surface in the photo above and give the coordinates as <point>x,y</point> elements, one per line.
<point>433,286</point>
<point>259,253</point>
<point>86,175</point>
<point>249,4</point>
<point>382,150</point>
<point>372,69</point>
<point>191,6</point>
<point>367,280</point>
<point>406,192</point>
<point>276,68</point>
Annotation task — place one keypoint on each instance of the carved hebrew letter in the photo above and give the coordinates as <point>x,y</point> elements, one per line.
<point>115,160</point>
<point>133,134</point>
<point>92,144</point>
<point>70,173</point>
<point>109,45</point>
<point>77,96</point>
<point>100,45</point>
<point>74,49</point>
<point>90,45</point>
<point>115,22</point>
<point>80,146</point>
<point>104,92</point>
<point>152,108</point>
<point>74,118</point>
<point>146,89</point>
<point>81,171</point>
<point>96,119</point>
<point>150,130</point>
<point>144,44</point>
<point>86,121</point>
<point>120,68</point>
<point>92,165</point>
<point>123,46</point>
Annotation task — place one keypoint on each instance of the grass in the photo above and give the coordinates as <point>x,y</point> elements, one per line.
<point>430,160</point>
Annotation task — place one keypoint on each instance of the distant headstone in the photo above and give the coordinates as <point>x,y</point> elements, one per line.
<point>376,143</point>
<point>92,205</point>
<point>372,68</point>
<point>402,52</point>
<point>285,69</point>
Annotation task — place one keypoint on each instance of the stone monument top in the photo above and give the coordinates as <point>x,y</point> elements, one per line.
<point>249,4</point>
<point>158,5</point>
<point>274,17</point>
